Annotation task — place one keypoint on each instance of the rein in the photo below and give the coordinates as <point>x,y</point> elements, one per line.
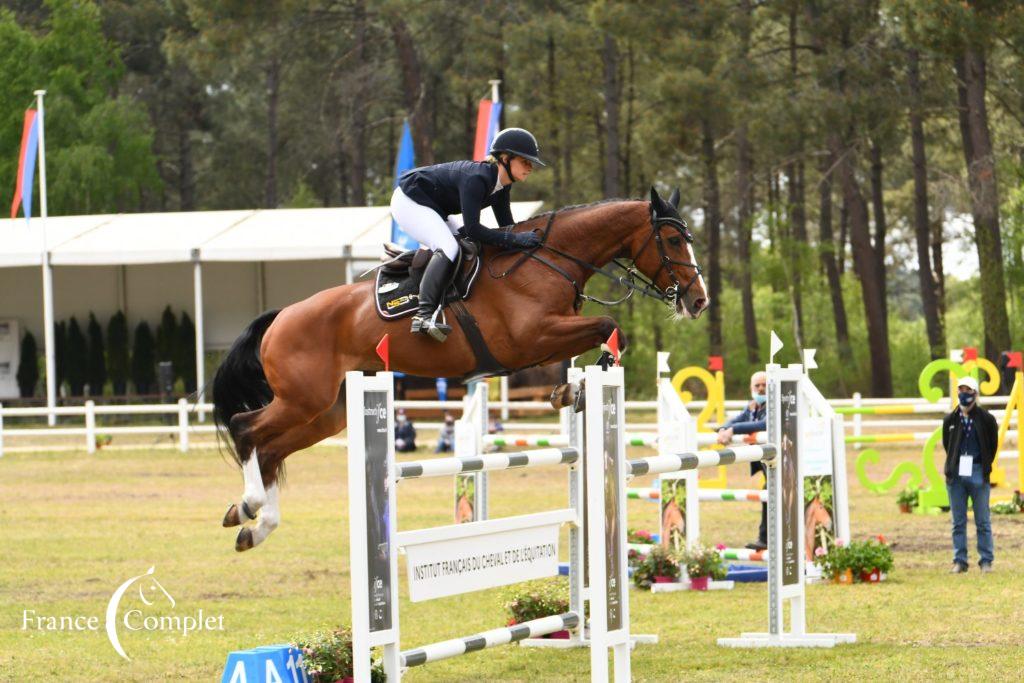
<point>646,287</point>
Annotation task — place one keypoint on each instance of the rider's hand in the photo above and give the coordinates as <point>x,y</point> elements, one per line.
<point>525,240</point>
<point>725,436</point>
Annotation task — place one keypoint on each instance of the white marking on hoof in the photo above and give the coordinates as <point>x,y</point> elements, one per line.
<point>254,496</point>
<point>270,517</point>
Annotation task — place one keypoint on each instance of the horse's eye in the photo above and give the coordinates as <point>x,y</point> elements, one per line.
<point>675,241</point>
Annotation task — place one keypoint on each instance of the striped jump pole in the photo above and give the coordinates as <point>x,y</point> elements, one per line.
<point>659,464</point>
<point>521,441</point>
<point>707,495</point>
<point>441,467</point>
<point>481,641</point>
<point>743,554</point>
<point>652,495</point>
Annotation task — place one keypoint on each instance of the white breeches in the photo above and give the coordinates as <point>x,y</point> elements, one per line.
<point>424,225</point>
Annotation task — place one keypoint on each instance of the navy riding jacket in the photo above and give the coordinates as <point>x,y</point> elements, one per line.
<point>463,187</point>
<point>749,422</point>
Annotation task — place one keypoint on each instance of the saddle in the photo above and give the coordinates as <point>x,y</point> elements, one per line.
<point>397,284</point>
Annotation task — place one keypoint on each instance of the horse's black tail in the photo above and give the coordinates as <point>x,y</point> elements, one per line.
<point>240,384</point>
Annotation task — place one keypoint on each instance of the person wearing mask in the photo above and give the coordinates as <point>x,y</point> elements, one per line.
<point>446,437</point>
<point>750,421</point>
<point>970,436</point>
<point>405,433</point>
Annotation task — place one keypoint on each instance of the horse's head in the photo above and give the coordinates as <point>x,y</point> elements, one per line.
<point>663,251</point>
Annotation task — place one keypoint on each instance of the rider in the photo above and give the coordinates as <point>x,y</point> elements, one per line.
<point>427,202</point>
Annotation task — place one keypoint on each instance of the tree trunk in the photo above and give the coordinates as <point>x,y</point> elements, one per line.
<point>827,248</point>
<point>981,179</point>
<point>414,91</point>
<point>357,137</point>
<point>795,239</point>
<point>744,236</point>
<point>878,209</point>
<point>612,185</point>
<point>552,141</point>
<point>273,92</point>
<point>713,225</point>
<point>938,239</point>
<point>922,225</point>
<point>866,266</point>
<point>844,231</point>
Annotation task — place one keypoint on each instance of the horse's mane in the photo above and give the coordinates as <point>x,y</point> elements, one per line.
<point>576,207</point>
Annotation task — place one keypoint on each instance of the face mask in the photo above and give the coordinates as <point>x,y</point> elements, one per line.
<point>966,398</point>
<point>759,398</point>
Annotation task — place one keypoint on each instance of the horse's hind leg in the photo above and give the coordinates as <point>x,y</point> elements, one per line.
<point>274,452</point>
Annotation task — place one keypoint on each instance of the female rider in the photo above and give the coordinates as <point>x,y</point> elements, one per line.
<point>427,202</point>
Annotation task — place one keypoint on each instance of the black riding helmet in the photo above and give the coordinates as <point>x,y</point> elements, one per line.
<point>519,142</point>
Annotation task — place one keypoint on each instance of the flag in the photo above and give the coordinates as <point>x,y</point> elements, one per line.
<point>383,351</point>
<point>404,161</point>
<point>26,165</point>
<point>488,116</point>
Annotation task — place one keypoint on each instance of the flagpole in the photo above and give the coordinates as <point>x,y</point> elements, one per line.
<point>51,379</point>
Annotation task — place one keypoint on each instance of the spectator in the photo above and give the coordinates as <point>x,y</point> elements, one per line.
<point>446,437</point>
<point>750,421</point>
<point>405,433</point>
<point>970,436</point>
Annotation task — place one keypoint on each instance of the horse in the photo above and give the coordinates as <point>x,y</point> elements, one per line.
<point>279,389</point>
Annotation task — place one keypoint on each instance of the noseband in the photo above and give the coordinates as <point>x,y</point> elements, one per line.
<point>675,293</point>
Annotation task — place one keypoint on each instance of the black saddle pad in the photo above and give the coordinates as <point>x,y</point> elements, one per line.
<point>397,283</point>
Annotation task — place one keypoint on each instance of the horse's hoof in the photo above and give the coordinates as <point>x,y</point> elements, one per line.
<point>231,516</point>
<point>561,396</point>
<point>244,540</point>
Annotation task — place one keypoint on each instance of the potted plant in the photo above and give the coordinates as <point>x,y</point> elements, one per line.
<point>907,499</point>
<point>327,657</point>
<point>537,599</point>
<point>702,565</point>
<point>639,536</point>
<point>659,566</point>
<point>834,562</point>
<point>871,560</point>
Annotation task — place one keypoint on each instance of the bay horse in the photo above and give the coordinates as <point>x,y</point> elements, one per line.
<point>279,389</point>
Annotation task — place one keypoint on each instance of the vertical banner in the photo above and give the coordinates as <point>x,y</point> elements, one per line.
<point>488,116</point>
<point>792,490</point>
<point>612,483</point>
<point>404,161</point>
<point>26,165</point>
<point>673,513</point>
<point>820,529</point>
<point>378,532</point>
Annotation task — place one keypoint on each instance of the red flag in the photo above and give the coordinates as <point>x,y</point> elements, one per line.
<point>612,345</point>
<point>715,363</point>
<point>1015,360</point>
<point>970,353</point>
<point>382,351</point>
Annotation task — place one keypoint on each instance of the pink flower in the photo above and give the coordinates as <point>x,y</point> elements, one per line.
<point>839,543</point>
<point>719,547</point>
<point>819,552</point>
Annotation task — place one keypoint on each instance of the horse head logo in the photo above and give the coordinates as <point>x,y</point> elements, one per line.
<point>150,591</point>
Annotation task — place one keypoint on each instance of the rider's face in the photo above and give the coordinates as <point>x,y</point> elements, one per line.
<point>521,168</point>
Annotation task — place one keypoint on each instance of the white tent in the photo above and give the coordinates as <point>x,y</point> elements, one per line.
<point>223,267</point>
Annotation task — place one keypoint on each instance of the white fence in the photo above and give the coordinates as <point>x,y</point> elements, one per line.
<point>192,419</point>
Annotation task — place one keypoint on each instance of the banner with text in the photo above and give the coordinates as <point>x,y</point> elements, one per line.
<point>463,565</point>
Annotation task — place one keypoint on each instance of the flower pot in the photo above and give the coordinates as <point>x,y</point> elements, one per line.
<point>844,577</point>
<point>699,583</point>
<point>558,635</point>
<point>905,508</point>
<point>871,576</point>
<point>664,579</point>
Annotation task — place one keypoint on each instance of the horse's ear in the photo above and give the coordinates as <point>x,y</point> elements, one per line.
<point>656,200</point>
<point>674,199</point>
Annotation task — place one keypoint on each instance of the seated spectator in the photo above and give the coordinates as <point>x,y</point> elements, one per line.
<point>446,437</point>
<point>405,433</point>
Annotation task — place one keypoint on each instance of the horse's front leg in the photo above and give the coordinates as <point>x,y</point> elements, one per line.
<point>571,336</point>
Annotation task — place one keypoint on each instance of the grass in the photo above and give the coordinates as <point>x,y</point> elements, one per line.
<point>75,526</point>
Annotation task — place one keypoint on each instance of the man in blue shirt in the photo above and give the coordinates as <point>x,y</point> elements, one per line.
<point>970,436</point>
<point>750,421</point>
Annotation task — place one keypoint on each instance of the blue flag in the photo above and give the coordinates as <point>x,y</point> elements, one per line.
<point>404,161</point>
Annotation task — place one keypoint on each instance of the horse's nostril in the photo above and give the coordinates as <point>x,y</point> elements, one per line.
<point>699,304</point>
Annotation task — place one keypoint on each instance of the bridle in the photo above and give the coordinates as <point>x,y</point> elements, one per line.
<point>671,295</point>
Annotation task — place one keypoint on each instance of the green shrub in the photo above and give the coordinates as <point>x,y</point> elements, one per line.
<point>327,656</point>
<point>536,599</point>
<point>117,353</point>
<point>703,561</point>
<point>60,347</point>
<point>166,336</point>
<point>658,562</point>
<point>28,366</point>
<point>185,361</point>
<point>143,360</point>
<point>77,356</point>
<point>96,364</point>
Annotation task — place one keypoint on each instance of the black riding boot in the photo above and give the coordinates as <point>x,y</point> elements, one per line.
<point>435,278</point>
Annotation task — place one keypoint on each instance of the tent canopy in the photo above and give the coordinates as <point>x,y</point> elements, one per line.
<point>251,235</point>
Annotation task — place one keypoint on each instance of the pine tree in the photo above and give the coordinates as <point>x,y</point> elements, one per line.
<point>28,367</point>
<point>117,353</point>
<point>185,362</point>
<point>76,359</point>
<point>96,364</point>
<point>143,360</point>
